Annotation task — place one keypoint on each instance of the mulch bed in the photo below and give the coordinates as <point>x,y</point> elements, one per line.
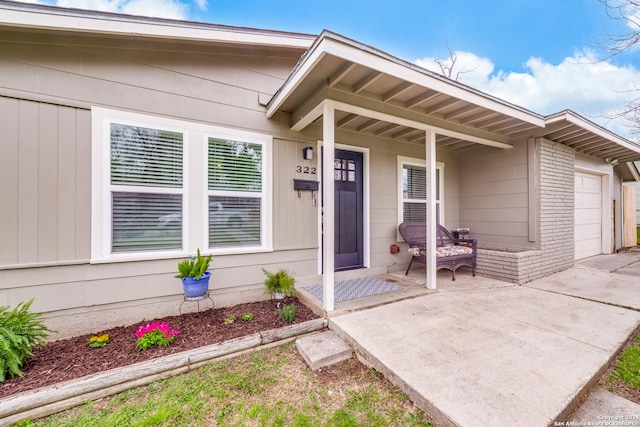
<point>72,358</point>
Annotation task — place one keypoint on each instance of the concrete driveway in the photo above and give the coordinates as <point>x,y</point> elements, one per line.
<point>503,355</point>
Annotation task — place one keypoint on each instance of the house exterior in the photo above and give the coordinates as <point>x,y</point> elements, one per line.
<point>131,142</point>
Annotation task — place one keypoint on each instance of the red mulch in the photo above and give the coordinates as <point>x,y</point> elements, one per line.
<point>71,358</point>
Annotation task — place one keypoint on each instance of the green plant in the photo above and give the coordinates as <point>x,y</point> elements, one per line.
<point>229,320</point>
<point>247,317</point>
<point>194,266</point>
<point>287,312</point>
<point>98,341</point>
<point>155,334</point>
<point>20,330</point>
<point>628,367</point>
<point>280,282</point>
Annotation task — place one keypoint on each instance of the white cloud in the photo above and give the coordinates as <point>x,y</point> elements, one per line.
<point>580,83</point>
<point>202,4</point>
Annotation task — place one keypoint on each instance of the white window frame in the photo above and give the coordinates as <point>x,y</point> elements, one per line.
<point>265,194</point>
<point>412,161</point>
<point>194,187</point>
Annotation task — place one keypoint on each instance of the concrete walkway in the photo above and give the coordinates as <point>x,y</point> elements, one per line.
<point>502,355</point>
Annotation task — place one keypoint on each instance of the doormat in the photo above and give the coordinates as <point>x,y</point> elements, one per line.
<point>355,288</point>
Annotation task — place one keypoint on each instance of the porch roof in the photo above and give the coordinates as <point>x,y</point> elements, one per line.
<point>378,94</point>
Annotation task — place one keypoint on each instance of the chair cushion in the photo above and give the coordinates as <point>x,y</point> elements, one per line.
<point>445,251</point>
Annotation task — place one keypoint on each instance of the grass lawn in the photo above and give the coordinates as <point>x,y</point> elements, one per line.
<point>627,369</point>
<point>623,377</point>
<point>272,387</point>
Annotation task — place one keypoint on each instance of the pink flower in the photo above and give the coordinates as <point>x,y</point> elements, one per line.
<point>160,326</point>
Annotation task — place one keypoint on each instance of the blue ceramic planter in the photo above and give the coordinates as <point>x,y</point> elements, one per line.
<point>194,288</point>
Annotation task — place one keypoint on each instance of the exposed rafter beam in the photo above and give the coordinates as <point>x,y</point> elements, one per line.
<point>366,82</point>
<point>511,128</point>
<point>582,143</point>
<point>308,112</point>
<point>342,72</point>
<point>346,120</point>
<point>563,133</point>
<point>391,114</point>
<point>368,125</point>
<point>406,132</point>
<point>467,121</point>
<point>387,129</point>
<point>461,111</point>
<point>441,105</point>
<point>493,121</point>
<point>595,149</point>
<point>422,98</point>
<point>415,138</point>
<point>397,91</point>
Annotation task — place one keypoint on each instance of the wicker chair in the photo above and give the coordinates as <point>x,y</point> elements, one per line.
<point>451,253</point>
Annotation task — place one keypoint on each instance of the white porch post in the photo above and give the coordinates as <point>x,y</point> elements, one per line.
<point>430,157</point>
<point>328,226</point>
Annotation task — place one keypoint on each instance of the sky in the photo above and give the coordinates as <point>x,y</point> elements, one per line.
<point>544,55</point>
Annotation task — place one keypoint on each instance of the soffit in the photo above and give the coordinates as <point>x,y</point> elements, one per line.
<point>588,138</point>
<point>357,75</point>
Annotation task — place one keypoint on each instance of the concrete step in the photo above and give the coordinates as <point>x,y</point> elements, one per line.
<point>323,349</point>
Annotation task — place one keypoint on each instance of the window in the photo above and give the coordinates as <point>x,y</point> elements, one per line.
<point>236,193</point>
<point>146,188</point>
<point>162,188</point>
<point>412,192</point>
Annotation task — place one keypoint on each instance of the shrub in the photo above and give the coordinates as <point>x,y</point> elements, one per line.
<point>20,331</point>
<point>280,282</point>
<point>287,312</point>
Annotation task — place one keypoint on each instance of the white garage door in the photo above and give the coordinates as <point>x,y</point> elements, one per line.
<point>588,216</point>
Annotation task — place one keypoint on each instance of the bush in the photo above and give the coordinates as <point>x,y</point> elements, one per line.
<point>20,330</point>
<point>280,282</point>
<point>287,312</point>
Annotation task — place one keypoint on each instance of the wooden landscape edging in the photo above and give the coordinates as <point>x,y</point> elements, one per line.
<point>58,397</point>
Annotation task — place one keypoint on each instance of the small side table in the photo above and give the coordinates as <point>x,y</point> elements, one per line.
<point>197,300</point>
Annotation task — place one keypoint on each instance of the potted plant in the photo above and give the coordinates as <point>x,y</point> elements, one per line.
<point>194,275</point>
<point>279,284</point>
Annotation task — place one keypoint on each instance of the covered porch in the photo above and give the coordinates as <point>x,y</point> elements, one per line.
<point>343,91</point>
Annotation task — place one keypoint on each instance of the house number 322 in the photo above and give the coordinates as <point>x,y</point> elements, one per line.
<point>306,169</point>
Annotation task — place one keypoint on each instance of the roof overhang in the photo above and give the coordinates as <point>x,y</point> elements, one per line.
<point>42,17</point>
<point>378,94</point>
<point>628,171</point>
<point>588,138</point>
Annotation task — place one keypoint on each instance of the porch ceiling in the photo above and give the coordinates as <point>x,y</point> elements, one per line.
<point>380,95</point>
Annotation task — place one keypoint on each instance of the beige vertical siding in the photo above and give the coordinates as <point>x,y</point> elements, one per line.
<point>46,178</point>
<point>295,218</point>
<point>494,196</point>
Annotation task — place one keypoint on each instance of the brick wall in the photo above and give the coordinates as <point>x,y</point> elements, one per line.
<point>556,190</point>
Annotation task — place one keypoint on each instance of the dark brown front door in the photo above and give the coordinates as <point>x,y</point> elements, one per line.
<point>348,216</point>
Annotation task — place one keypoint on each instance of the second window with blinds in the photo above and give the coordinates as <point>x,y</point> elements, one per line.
<point>412,191</point>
